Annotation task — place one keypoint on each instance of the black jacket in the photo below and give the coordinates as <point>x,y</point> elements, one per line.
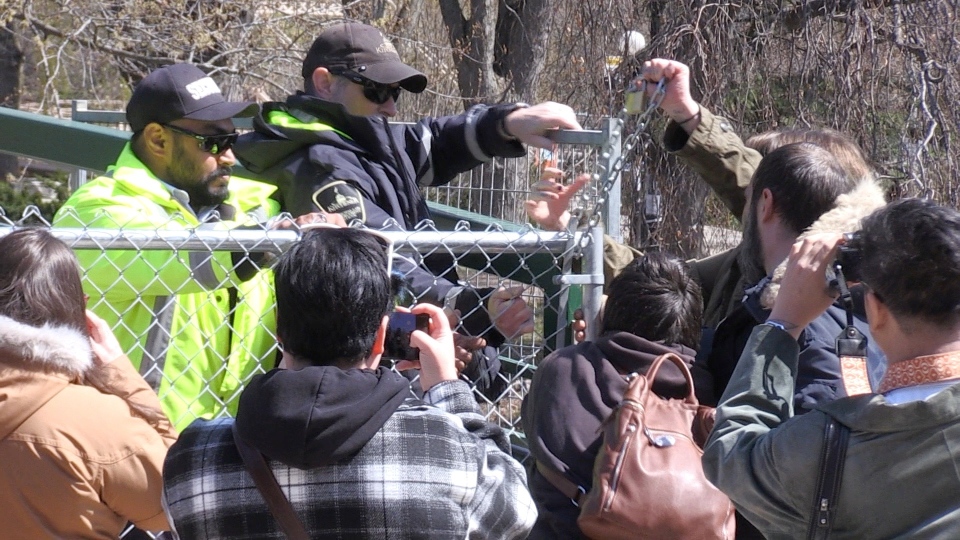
<point>366,168</point>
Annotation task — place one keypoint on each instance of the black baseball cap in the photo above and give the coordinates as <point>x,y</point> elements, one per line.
<point>361,48</point>
<point>181,91</point>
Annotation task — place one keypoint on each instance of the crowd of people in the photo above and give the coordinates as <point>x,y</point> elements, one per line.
<point>141,404</point>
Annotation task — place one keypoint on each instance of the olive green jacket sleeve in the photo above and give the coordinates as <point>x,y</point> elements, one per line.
<point>718,155</point>
<point>616,257</point>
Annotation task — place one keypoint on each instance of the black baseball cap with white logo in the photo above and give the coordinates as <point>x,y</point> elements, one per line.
<point>181,91</point>
<point>362,49</point>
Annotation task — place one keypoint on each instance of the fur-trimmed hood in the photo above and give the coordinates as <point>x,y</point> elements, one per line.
<point>845,217</point>
<point>36,364</point>
<point>56,349</point>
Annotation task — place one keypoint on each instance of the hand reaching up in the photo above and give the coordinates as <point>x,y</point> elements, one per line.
<point>549,207</point>
<point>678,103</point>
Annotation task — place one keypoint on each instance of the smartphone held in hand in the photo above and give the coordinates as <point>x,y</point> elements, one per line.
<point>397,342</point>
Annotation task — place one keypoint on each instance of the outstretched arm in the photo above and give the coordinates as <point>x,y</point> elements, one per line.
<point>705,142</point>
<point>532,125</point>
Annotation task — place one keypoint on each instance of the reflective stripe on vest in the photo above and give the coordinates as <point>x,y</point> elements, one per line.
<point>158,339</point>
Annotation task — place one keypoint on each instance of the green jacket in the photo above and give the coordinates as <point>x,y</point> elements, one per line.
<point>719,156</point>
<point>900,477</point>
<point>171,311</point>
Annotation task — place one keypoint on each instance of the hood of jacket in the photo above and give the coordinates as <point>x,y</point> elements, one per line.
<point>576,388</point>
<point>629,353</point>
<point>283,129</point>
<point>317,415</point>
<point>35,365</point>
<point>845,217</point>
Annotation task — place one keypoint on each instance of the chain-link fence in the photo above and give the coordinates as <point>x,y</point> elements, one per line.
<point>496,189</point>
<point>197,331</point>
<point>501,187</point>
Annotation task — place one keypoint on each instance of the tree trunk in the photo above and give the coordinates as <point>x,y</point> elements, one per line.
<point>497,39</point>
<point>472,41</point>
<point>521,45</point>
<point>11,64</point>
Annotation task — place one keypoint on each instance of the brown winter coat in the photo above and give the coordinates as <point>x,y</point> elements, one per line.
<point>76,463</point>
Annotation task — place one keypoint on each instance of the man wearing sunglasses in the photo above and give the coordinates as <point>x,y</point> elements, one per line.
<point>188,320</point>
<point>332,148</point>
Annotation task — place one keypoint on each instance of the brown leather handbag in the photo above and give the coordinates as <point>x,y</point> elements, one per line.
<point>648,481</point>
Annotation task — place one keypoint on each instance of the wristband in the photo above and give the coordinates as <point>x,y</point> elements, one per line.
<point>697,115</point>
<point>783,325</point>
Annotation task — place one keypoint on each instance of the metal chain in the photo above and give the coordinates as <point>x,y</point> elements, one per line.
<point>633,105</point>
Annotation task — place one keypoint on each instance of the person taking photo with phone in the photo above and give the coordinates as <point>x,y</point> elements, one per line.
<point>356,453</point>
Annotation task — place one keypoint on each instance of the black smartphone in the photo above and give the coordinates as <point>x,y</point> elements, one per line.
<point>396,346</point>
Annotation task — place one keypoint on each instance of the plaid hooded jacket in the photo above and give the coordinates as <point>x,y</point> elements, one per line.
<point>359,458</point>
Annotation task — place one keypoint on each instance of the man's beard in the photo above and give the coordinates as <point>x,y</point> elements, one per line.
<point>183,175</point>
<point>750,258</point>
<point>204,194</point>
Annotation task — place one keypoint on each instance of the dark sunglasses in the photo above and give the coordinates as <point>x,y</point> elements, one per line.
<point>375,92</point>
<point>214,144</point>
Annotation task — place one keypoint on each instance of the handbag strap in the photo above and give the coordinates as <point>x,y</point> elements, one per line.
<point>570,490</point>
<point>835,439</point>
<point>267,483</point>
<point>639,386</point>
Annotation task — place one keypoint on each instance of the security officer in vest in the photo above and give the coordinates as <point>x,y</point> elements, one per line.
<point>196,324</point>
<point>333,148</point>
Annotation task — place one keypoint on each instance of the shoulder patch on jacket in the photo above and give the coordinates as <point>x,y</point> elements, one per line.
<point>340,198</point>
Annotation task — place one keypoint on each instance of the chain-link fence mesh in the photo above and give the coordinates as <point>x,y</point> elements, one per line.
<point>498,188</point>
<point>197,332</point>
<point>501,187</point>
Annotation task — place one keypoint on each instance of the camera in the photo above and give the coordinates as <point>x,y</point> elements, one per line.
<point>849,257</point>
<point>396,346</point>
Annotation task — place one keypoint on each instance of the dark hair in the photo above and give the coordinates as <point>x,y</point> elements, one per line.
<point>910,253</point>
<point>655,298</point>
<point>848,153</point>
<point>40,281</point>
<point>332,293</point>
<point>805,180</point>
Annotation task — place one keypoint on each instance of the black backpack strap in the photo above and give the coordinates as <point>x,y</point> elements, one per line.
<point>267,483</point>
<point>834,453</point>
